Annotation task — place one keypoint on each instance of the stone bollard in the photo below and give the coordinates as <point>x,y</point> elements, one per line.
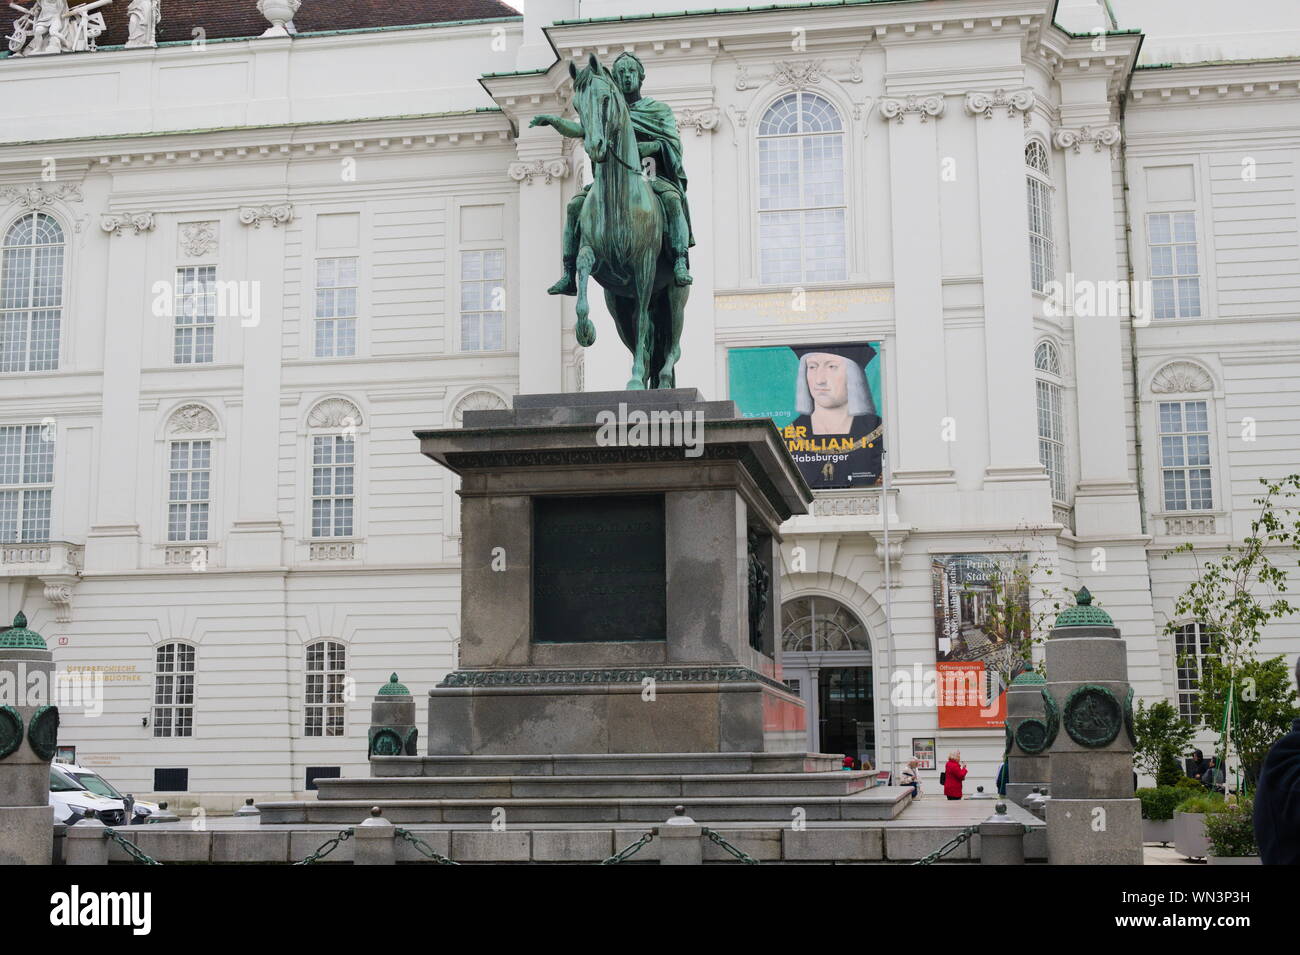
<point>392,721</point>
<point>1036,802</point>
<point>29,727</point>
<point>86,844</point>
<point>1093,818</point>
<point>1028,736</point>
<point>681,840</point>
<point>60,834</point>
<point>1002,840</point>
<point>248,809</point>
<point>374,841</point>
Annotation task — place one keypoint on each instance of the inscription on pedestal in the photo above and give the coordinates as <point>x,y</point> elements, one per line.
<point>598,569</point>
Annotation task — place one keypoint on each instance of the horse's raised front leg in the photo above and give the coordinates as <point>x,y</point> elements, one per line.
<point>584,329</point>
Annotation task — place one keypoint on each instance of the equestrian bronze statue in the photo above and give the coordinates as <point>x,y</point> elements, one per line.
<point>630,229</point>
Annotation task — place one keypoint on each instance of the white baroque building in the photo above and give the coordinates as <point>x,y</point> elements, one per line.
<point>239,271</point>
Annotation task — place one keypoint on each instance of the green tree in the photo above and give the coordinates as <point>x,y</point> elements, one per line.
<point>1264,705</point>
<point>1235,595</point>
<point>1162,736</point>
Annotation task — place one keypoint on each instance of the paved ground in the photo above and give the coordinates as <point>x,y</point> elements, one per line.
<point>1156,854</point>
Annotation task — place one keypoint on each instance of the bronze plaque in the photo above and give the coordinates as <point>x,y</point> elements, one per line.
<point>598,569</point>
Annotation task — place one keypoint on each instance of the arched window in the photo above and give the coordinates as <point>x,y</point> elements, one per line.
<point>173,690</point>
<point>820,624</point>
<point>1042,248</point>
<point>1051,418</point>
<point>31,294</point>
<point>323,710</point>
<point>801,195</point>
<point>333,423</point>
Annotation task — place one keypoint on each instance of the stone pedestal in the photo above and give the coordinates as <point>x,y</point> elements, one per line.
<point>1092,815</point>
<point>619,578</point>
<point>29,725</point>
<point>392,721</point>
<point>1028,737</point>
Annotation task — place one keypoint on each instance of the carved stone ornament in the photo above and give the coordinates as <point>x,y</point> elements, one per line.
<point>192,419</point>
<point>547,169</point>
<point>1092,716</point>
<point>52,26</point>
<point>986,104</point>
<point>1075,138</point>
<point>276,213</point>
<point>198,238</point>
<point>800,74</point>
<point>334,413</point>
<point>122,222</point>
<point>628,675</point>
<point>703,120</point>
<point>35,198</point>
<point>59,594</point>
<point>1181,377</point>
<point>476,401</point>
<point>922,106</point>
<point>280,13</point>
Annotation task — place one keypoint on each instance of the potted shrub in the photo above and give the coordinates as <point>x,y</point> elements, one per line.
<point>1158,806</point>
<point>1232,836</point>
<point>1189,824</point>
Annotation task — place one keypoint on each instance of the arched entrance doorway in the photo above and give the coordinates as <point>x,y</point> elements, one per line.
<point>826,656</point>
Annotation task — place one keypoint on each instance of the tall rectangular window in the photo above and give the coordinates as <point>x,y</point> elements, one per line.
<point>1051,436</point>
<point>1185,455</point>
<point>31,294</point>
<point>336,307</point>
<point>189,488</point>
<point>1191,646</point>
<point>326,671</point>
<point>196,314</point>
<point>1175,267</point>
<point>483,301</point>
<point>1042,251</point>
<point>173,690</point>
<point>332,485</point>
<point>26,483</point>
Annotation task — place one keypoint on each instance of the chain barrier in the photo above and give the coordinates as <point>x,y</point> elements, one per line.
<point>325,848</point>
<point>630,850</point>
<point>717,840</point>
<point>948,846</point>
<point>423,847</point>
<point>130,848</point>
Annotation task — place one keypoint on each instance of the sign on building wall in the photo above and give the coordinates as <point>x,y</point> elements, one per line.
<point>981,628</point>
<point>825,399</point>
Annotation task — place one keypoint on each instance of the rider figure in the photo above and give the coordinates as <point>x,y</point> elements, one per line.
<point>656,135</point>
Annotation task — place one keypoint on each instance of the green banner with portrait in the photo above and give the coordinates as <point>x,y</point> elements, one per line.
<point>825,399</point>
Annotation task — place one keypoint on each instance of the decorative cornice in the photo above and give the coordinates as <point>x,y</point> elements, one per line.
<point>984,103</point>
<point>922,106</point>
<point>542,676</point>
<point>118,223</point>
<point>198,238</point>
<point>797,74</point>
<point>548,169</point>
<point>34,198</point>
<point>702,120</point>
<point>276,213</point>
<point>1074,137</point>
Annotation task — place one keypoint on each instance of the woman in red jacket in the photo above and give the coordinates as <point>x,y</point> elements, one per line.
<point>953,773</point>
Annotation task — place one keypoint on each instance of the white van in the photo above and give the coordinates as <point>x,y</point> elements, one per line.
<point>91,782</point>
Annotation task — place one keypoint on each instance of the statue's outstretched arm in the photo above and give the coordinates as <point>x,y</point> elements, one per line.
<point>565,127</point>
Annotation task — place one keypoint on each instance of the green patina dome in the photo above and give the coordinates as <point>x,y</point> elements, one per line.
<point>1083,613</point>
<point>1029,677</point>
<point>18,637</point>
<point>393,688</point>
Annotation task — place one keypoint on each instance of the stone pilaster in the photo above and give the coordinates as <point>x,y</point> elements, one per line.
<point>542,170</point>
<point>922,455</point>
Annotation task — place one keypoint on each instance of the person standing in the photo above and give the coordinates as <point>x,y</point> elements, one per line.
<point>953,774</point>
<point>1277,799</point>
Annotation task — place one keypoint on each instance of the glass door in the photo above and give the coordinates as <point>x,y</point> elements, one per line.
<point>846,712</point>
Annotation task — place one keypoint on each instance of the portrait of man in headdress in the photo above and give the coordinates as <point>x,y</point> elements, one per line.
<point>832,401</point>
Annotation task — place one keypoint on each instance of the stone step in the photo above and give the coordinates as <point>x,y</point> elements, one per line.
<point>877,803</point>
<point>605,764</point>
<point>659,785</point>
